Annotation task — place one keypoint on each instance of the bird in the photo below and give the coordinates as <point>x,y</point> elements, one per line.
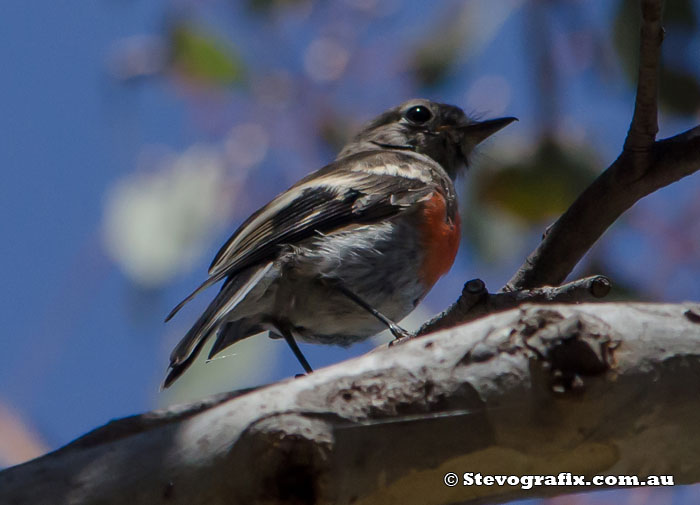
<point>350,249</point>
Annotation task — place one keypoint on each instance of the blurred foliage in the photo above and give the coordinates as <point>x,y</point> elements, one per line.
<point>679,89</point>
<point>434,62</point>
<point>538,187</point>
<point>335,130</point>
<point>157,223</point>
<point>203,57</point>
<point>680,14</point>
<point>436,56</point>
<point>453,38</point>
<point>542,181</point>
<point>341,64</point>
<point>267,7</point>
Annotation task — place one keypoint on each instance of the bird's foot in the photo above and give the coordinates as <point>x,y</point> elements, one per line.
<point>400,335</point>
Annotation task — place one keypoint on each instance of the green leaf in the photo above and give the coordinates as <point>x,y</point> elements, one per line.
<point>436,57</point>
<point>202,56</point>
<point>681,14</point>
<point>434,62</point>
<point>626,37</point>
<point>679,91</point>
<point>539,188</point>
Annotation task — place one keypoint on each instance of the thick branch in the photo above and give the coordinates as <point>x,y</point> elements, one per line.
<point>589,389</point>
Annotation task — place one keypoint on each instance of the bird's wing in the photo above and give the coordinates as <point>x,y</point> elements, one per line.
<point>362,188</point>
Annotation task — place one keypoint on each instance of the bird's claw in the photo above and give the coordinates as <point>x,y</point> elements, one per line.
<point>400,335</point>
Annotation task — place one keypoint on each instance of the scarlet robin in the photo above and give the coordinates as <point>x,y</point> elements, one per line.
<point>350,249</point>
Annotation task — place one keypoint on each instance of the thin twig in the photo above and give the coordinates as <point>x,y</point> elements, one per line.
<point>644,126</point>
<point>476,301</point>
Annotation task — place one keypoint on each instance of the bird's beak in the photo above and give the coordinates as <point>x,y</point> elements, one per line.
<point>469,135</point>
<point>476,132</point>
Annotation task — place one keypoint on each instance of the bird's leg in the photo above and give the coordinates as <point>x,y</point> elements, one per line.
<point>394,328</point>
<point>295,348</point>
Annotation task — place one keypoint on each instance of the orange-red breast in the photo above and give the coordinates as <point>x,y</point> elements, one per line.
<point>350,249</point>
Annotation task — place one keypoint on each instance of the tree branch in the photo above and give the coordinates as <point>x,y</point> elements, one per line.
<point>644,126</point>
<point>476,301</point>
<point>599,206</point>
<point>644,166</point>
<point>590,389</point>
<point>632,176</point>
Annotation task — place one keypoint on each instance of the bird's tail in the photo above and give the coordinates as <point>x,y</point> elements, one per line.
<point>231,294</point>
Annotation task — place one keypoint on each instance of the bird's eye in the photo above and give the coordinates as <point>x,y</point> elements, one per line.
<point>419,114</point>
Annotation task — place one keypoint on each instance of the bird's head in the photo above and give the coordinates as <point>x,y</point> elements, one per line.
<point>442,132</point>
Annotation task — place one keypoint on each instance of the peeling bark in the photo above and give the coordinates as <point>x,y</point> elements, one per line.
<point>589,389</point>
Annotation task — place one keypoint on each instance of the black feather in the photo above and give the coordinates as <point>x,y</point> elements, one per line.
<point>327,205</point>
